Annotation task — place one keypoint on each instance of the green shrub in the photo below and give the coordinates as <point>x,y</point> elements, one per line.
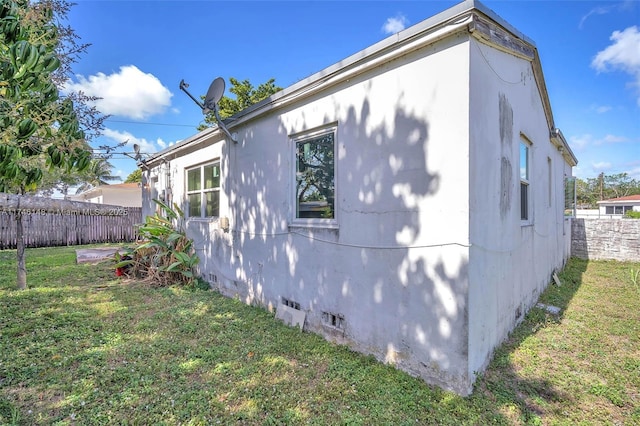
<point>164,255</point>
<point>633,214</point>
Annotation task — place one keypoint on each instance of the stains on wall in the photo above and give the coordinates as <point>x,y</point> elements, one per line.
<point>506,176</point>
<point>506,121</point>
<point>505,117</point>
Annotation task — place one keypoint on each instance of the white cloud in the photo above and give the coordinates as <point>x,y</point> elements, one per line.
<point>582,141</point>
<point>613,139</point>
<point>602,165</point>
<point>128,93</point>
<point>595,11</point>
<point>146,147</point>
<point>607,139</point>
<point>579,142</point>
<point>623,54</point>
<point>395,24</point>
<point>602,109</point>
<point>634,173</point>
<point>624,6</point>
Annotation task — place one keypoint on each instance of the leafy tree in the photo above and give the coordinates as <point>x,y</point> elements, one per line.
<point>58,179</point>
<point>245,96</point>
<point>591,190</point>
<point>586,194</point>
<point>98,173</point>
<point>38,128</point>
<point>134,177</point>
<point>620,185</point>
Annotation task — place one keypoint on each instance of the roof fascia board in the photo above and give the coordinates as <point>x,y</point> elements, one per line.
<point>198,138</point>
<point>614,201</point>
<point>557,139</point>
<point>465,16</point>
<point>426,32</point>
<point>429,31</point>
<point>498,37</point>
<point>489,33</point>
<point>493,35</point>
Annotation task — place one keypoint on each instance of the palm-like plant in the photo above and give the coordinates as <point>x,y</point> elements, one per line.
<point>98,173</point>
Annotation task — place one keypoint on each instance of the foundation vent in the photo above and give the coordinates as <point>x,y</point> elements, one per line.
<point>333,320</point>
<point>290,303</point>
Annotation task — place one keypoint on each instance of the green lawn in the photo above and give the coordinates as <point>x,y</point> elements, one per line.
<point>82,347</point>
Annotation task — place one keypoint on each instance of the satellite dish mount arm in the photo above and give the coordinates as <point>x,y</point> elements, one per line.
<point>221,124</point>
<point>214,94</point>
<point>183,87</point>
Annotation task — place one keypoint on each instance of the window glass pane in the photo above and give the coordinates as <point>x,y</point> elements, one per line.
<point>195,207</point>
<point>211,176</point>
<point>627,208</point>
<point>569,195</point>
<point>524,203</point>
<point>618,209</point>
<point>524,161</point>
<point>193,180</point>
<point>609,209</point>
<point>212,203</point>
<point>315,186</point>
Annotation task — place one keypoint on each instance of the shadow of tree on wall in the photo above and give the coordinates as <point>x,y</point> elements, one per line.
<point>380,269</point>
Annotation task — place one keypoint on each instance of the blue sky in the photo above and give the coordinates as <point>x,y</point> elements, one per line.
<point>140,50</point>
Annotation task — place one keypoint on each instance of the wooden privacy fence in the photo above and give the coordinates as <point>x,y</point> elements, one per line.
<point>61,223</point>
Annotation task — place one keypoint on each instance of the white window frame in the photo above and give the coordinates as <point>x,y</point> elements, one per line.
<point>202,190</point>
<point>623,207</point>
<point>526,204</point>
<point>300,138</point>
<point>569,196</point>
<point>550,178</point>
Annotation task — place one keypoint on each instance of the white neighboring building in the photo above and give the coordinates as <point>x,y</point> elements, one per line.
<point>120,194</point>
<point>409,199</point>
<point>616,208</point>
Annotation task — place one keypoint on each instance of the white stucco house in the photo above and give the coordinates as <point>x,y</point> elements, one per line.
<point>119,194</point>
<point>617,207</point>
<point>409,199</point>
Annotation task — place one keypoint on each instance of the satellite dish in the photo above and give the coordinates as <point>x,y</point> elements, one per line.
<point>136,149</point>
<point>214,94</point>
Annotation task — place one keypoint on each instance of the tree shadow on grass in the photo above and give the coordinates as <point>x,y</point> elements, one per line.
<point>202,357</point>
<point>512,380</point>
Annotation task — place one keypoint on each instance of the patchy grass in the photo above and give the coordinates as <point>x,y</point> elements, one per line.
<point>580,368</point>
<point>82,347</point>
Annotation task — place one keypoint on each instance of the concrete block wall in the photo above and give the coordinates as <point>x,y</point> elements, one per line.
<point>613,239</point>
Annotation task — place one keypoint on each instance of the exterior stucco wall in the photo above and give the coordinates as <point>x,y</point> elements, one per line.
<point>124,198</point>
<point>511,260</point>
<point>114,197</point>
<point>428,265</point>
<point>97,200</point>
<point>395,268</point>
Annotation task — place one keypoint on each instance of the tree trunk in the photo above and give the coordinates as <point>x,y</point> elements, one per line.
<point>22,270</point>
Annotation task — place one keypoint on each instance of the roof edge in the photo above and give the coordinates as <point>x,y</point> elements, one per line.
<point>454,19</point>
<point>557,138</point>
